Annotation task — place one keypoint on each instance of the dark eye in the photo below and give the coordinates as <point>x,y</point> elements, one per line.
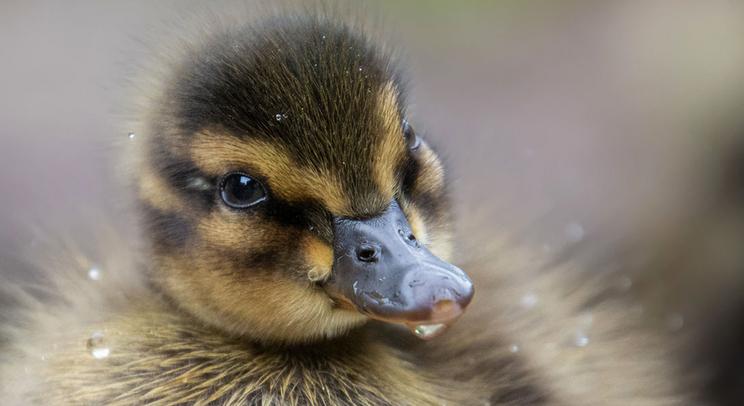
<point>412,140</point>
<point>239,191</point>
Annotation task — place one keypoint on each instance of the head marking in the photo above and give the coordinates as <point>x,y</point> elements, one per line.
<point>217,153</point>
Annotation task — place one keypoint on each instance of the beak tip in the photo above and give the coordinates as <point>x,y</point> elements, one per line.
<point>446,310</point>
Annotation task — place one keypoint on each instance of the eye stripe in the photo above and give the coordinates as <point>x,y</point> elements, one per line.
<point>171,182</point>
<point>217,153</point>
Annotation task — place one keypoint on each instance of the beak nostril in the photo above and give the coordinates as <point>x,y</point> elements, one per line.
<point>368,253</point>
<point>407,235</point>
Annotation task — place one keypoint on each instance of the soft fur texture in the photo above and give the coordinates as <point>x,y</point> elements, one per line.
<point>506,350</point>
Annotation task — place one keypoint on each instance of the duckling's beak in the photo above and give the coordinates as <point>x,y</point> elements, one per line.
<point>384,272</point>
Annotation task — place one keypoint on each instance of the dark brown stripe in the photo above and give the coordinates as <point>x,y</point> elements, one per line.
<point>169,232</point>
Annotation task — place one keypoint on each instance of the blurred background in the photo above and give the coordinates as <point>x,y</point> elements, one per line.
<point>570,122</point>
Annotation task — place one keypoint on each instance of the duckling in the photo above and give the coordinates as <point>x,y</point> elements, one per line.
<point>298,251</point>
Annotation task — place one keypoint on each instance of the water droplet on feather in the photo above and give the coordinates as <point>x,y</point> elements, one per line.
<point>94,274</point>
<point>427,331</point>
<point>581,340</point>
<point>96,346</point>
<point>529,300</point>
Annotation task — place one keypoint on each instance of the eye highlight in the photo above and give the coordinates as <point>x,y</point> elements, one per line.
<point>241,191</point>
<point>412,140</point>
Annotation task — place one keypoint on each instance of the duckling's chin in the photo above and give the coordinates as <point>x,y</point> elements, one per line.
<point>313,326</point>
<point>337,324</point>
<point>343,321</point>
<point>288,332</point>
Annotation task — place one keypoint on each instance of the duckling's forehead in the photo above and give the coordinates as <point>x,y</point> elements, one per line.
<point>312,106</point>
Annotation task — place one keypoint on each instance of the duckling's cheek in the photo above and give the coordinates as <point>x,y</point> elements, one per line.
<point>319,258</point>
<point>241,233</point>
<point>265,306</point>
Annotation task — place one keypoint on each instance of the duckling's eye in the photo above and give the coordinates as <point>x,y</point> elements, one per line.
<point>240,191</point>
<point>412,140</point>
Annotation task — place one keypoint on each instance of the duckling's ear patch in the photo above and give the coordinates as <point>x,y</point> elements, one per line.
<point>390,150</point>
<point>217,153</point>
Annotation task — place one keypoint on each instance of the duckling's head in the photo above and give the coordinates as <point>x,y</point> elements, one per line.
<point>287,197</point>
